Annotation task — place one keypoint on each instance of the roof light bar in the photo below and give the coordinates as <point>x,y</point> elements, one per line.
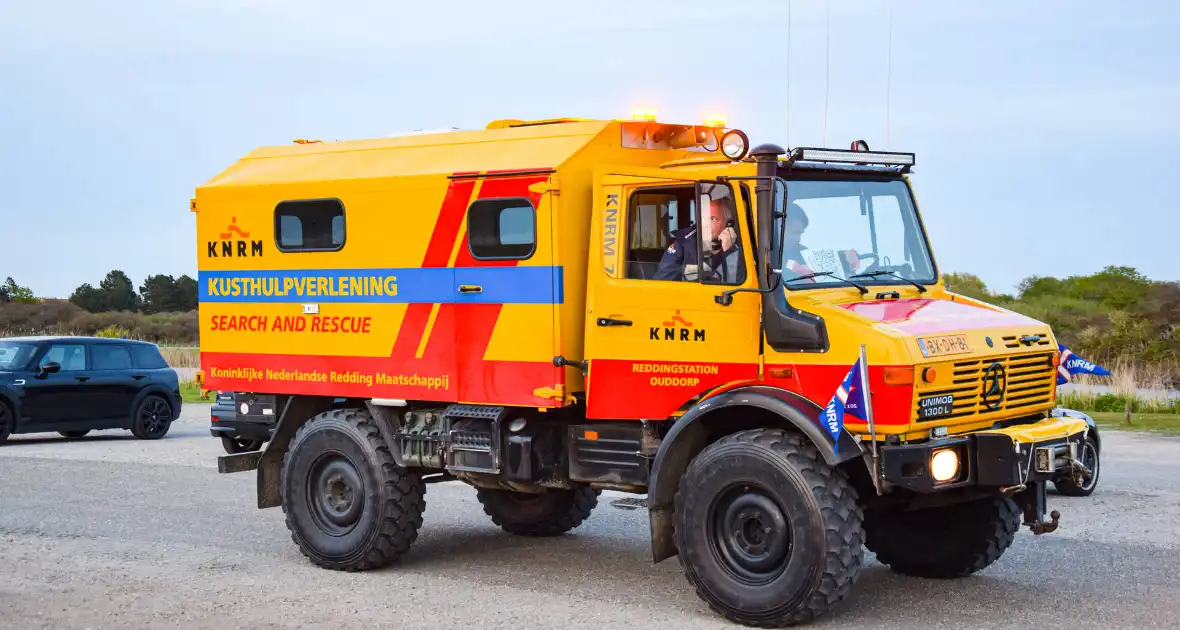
<point>810,154</point>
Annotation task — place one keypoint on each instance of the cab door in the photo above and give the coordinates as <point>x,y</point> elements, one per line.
<point>656,336</point>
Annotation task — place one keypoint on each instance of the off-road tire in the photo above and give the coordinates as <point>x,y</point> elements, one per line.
<point>234,446</point>
<point>386,501</point>
<point>74,434</point>
<point>7,421</point>
<point>147,423</point>
<point>1066,486</point>
<point>551,513</point>
<point>946,542</point>
<point>798,502</point>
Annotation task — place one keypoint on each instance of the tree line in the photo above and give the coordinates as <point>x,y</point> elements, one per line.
<point>163,309</point>
<point>1112,316</point>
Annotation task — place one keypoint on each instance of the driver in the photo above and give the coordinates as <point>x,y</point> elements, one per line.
<point>724,263</point>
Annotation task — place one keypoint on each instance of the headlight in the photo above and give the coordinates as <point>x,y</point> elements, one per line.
<point>944,465</point>
<point>734,144</point>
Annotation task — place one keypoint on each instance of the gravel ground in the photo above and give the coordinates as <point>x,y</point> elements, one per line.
<point>110,532</point>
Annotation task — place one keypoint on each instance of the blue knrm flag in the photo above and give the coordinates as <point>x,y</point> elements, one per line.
<point>1073,364</point>
<point>849,399</point>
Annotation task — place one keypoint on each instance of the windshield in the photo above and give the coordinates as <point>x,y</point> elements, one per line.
<point>844,228</point>
<point>15,355</point>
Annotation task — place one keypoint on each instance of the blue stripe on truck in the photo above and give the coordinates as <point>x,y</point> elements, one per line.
<point>499,285</point>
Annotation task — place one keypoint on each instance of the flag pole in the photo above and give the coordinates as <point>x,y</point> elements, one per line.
<point>864,382</point>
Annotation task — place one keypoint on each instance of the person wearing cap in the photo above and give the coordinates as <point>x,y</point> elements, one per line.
<point>723,262</point>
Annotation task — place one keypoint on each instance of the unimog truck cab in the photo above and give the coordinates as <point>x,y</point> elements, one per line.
<point>548,309</point>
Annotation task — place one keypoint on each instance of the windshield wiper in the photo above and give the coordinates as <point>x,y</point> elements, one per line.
<point>874,274</point>
<point>808,276</point>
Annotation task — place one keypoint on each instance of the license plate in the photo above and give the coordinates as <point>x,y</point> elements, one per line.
<point>942,346</point>
<point>936,406</point>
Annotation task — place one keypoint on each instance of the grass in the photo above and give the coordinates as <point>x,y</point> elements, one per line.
<point>1165,423</point>
<point>190,393</point>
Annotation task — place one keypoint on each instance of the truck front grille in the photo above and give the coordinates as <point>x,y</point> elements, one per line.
<point>1028,379</point>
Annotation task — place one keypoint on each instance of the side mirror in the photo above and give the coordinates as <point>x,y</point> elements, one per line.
<point>52,367</point>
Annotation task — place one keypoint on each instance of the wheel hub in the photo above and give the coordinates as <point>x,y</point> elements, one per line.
<point>335,489</point>
<point>751,535</point>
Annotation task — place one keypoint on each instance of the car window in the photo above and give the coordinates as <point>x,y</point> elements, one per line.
<point>71,356</point>
<point>147,357</point>
<point>110,356</point>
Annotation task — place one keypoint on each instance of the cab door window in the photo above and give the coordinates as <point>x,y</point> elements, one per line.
<point>685,234</point>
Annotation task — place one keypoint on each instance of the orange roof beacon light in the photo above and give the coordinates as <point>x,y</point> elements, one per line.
<point>529,345</point>
<point>647,114</point>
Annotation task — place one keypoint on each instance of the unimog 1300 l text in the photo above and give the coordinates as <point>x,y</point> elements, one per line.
<point>548,309</point>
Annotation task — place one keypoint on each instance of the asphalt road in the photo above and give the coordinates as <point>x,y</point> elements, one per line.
<point>110,532</point>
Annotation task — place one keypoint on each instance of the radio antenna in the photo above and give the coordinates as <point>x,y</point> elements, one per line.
<point>789,3</point>
<point>888,76</point>
<point>827,73</point>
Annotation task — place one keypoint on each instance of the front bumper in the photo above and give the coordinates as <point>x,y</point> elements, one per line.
<point>996,459</point>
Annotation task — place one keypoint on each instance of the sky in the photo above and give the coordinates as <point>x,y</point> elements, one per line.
<point>1043,131</point>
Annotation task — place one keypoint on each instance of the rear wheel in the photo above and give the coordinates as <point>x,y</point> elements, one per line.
<point>347,504</point>
<point>234,446</point>
<point>945,542</point>
<point>74,434</point>
<point>153,417</point>
<point>551,513</point>
<point>1089,458</point>
<point>766,531</point>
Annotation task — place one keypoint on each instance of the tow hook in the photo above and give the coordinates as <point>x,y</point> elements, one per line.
<point>1042,527</point>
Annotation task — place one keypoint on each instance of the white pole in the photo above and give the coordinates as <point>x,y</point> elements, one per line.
<point>888,73</point>
<point>864,381</point>
<point>827,64</point>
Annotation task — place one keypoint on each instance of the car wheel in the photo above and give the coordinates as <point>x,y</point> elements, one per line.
<point>153,417</point>
<point>1090,459</point>
<point>74,434</point>
<point>7,422</point>
<point>233,446</point>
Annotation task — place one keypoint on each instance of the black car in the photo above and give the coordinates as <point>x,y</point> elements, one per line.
<point>244,422</point>
<point>74,385</point>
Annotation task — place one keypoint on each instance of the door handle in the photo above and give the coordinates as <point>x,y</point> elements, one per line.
<point>606,321</point>
<point>139,377</point>
<point>82,379</point>
<point>470,288</point>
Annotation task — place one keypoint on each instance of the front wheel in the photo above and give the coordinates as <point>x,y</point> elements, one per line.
<point>766,531</point>
<point>152,418</point>
<point>1089,456</point>
<point>348,506</point>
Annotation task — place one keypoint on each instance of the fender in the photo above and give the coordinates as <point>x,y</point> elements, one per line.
<point>688,436</point>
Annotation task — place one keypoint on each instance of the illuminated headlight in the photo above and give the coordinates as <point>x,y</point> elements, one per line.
<point>245,409</point>
<point>944,465</point>
<point>734,144</point>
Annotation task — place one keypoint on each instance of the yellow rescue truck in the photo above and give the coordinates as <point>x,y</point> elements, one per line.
<point>546,309</point>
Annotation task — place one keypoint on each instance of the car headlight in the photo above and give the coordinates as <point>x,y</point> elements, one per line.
<point>944,465</point>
